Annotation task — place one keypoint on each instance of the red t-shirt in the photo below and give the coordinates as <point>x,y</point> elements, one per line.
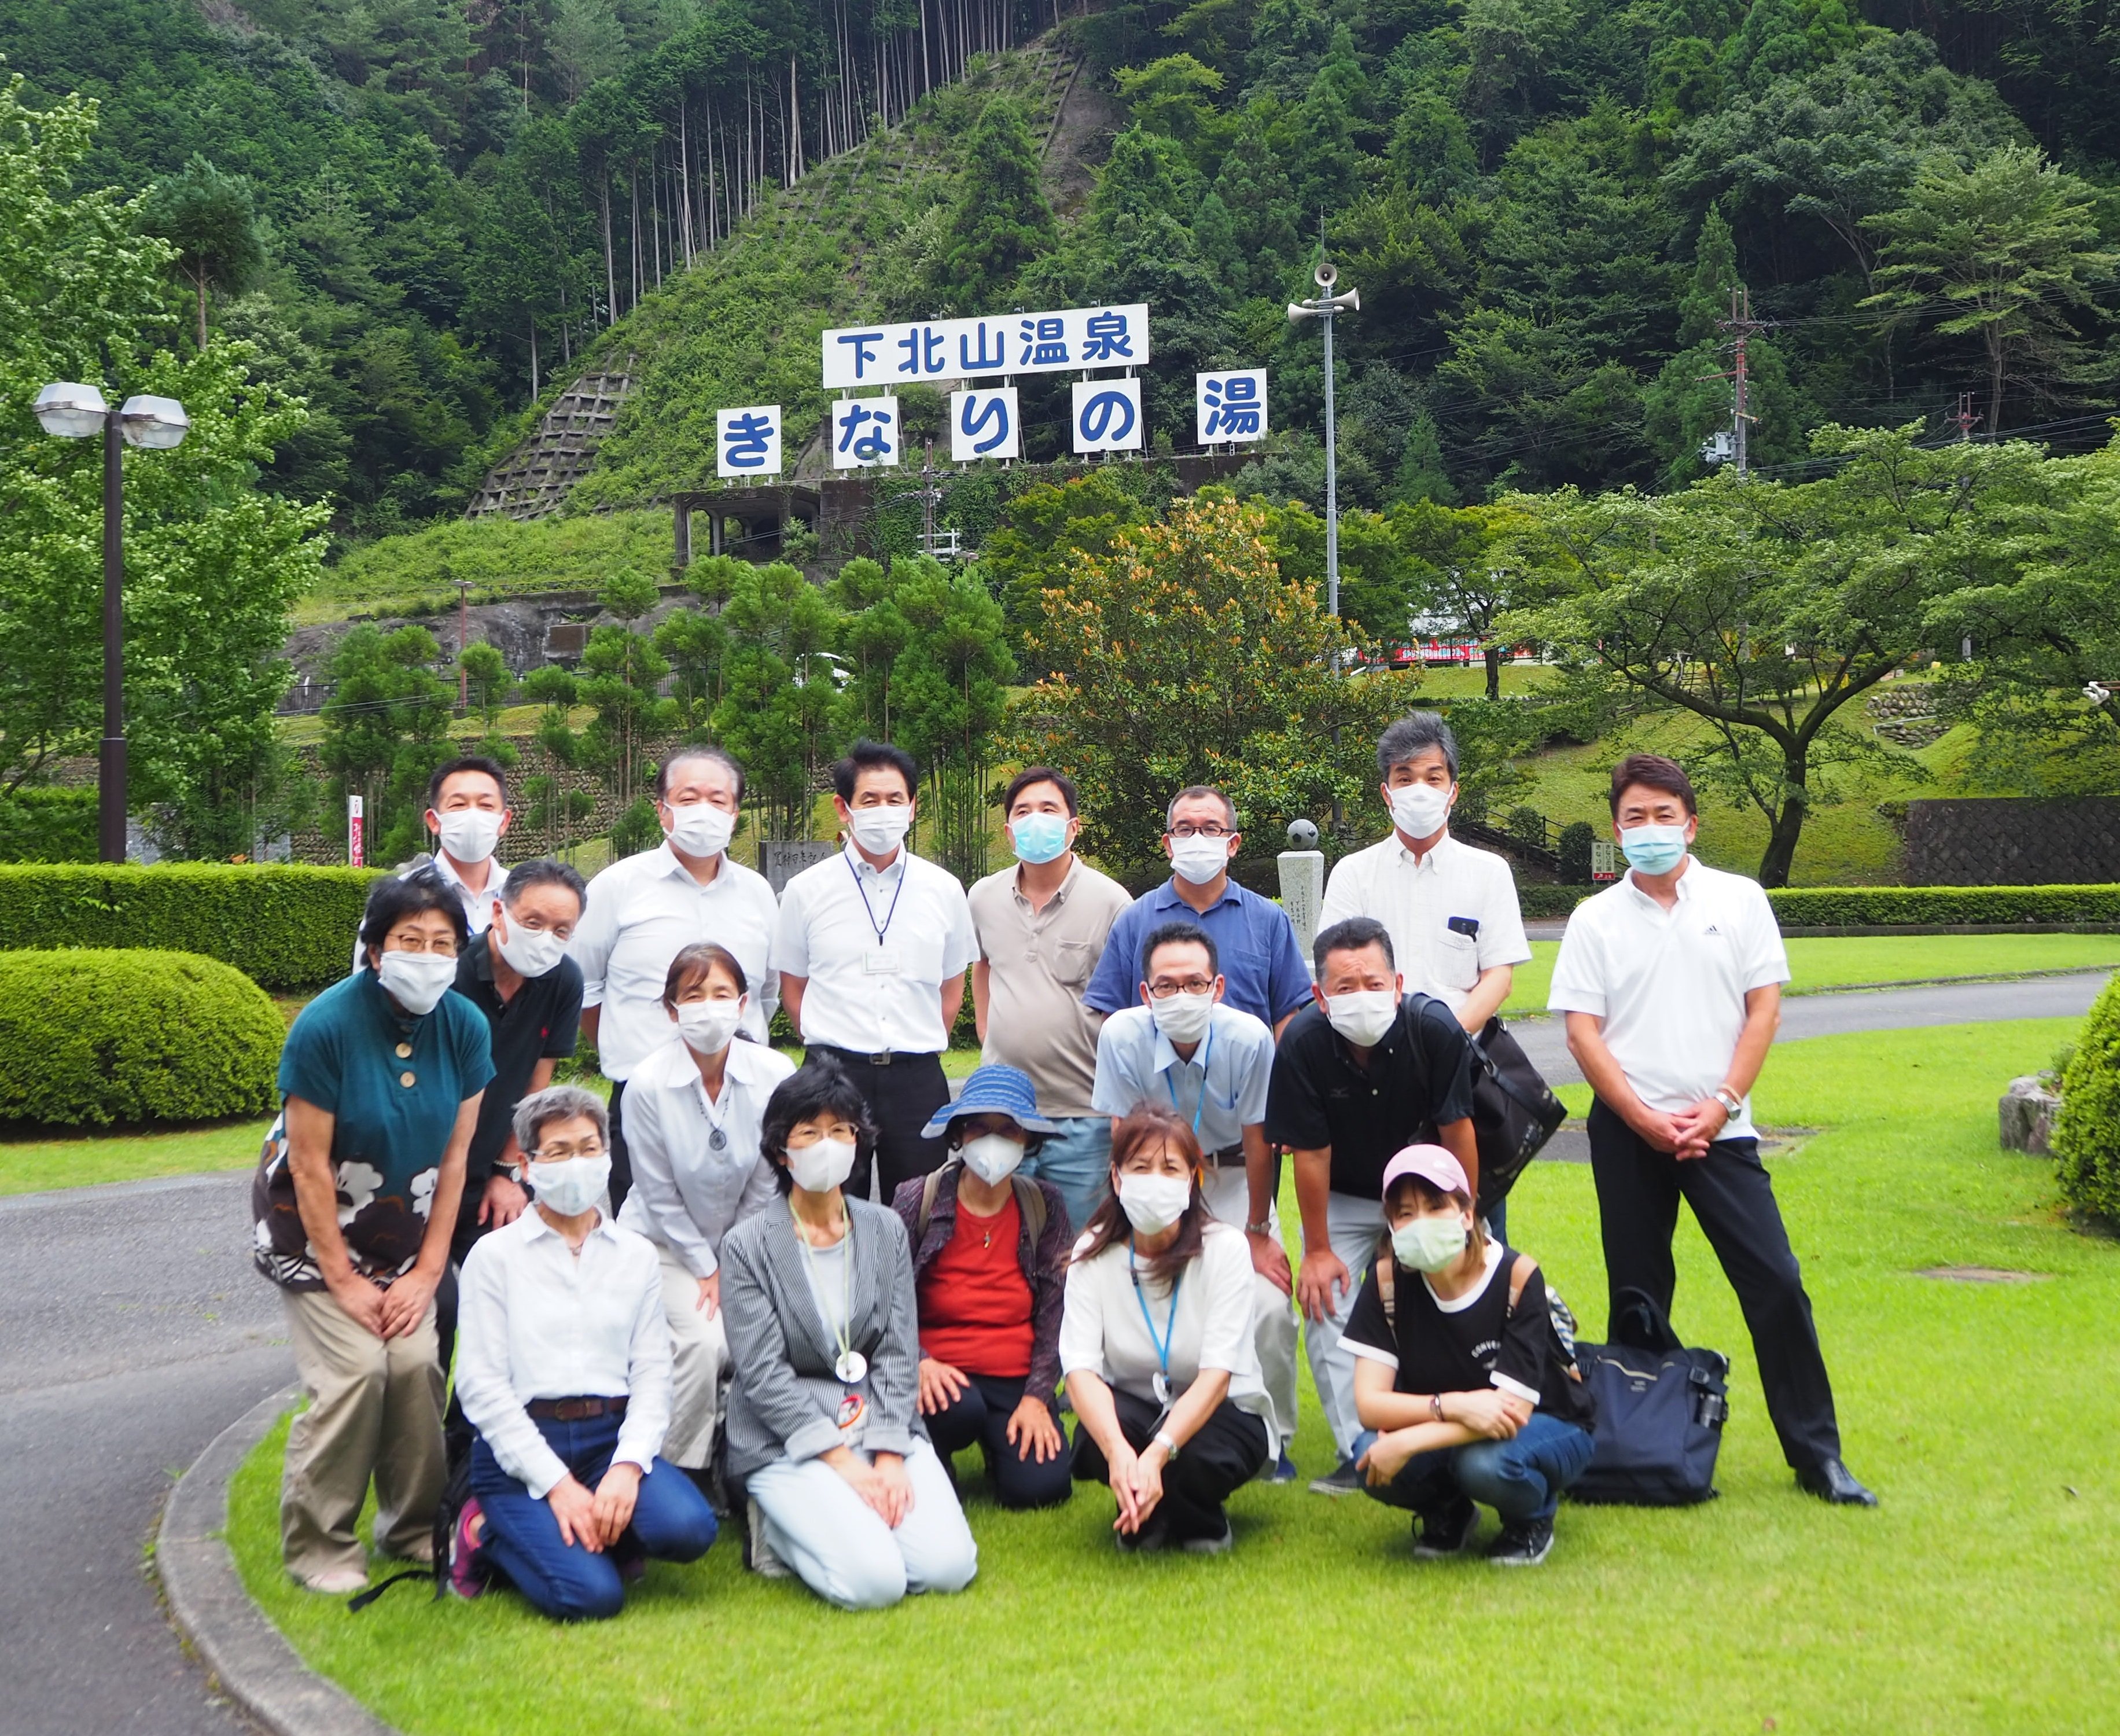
<point>975,1300</point>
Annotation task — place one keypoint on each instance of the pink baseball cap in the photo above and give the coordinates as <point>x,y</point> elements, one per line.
<point>1432,1164</point>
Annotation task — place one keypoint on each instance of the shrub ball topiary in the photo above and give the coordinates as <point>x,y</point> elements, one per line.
<point>1577,838</point>
<point>89,1036</point>
<point>2086,1133</point>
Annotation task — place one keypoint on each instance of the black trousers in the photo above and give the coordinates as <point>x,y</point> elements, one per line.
<point>978,1417</point>
<point>1639,1189</point>
<point>902,1094</point>
<point>621,1164</point>
<point>1229,1450</point>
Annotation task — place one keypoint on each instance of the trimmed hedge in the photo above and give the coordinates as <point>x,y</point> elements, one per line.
<point>2086,1133</point>
<point>283,927</point>
<point>100,1036</point>
<point>1885,906</point>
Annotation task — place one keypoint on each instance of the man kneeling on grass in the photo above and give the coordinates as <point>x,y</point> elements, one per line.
<point>1463,1388</point>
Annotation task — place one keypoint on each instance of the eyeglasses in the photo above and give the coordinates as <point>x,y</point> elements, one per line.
<point>1186,829</point>
<point>561,1153</point>
<point>1162,989</point>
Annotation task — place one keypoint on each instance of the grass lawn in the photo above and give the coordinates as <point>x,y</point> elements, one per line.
<point>32,1165</point>
<point>1823,963</point>
<point>1977,1597</point>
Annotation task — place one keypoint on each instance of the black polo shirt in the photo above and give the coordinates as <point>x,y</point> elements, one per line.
<point>541,1020</point>
<point>1420,1075</point>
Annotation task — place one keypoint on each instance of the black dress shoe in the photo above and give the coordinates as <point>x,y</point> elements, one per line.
<point>1833,1481</point>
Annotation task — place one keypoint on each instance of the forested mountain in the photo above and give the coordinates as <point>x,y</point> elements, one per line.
<point>1546,204</point>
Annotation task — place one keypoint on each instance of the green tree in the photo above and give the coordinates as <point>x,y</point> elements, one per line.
<point>952,681</point>
<point>1765,608</point>
<point>556,806</point>
<point>1183,657</point>
<point>385,728</point>
<point>2000,251</point>
<point>781,714</point>
<point>1003,221</point>
<point>622,674</point>
<point>1045,531</point>
<point>874,635</point>
<point>212,220</point>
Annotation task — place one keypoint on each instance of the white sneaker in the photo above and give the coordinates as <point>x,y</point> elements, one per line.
<point>335,1582</point>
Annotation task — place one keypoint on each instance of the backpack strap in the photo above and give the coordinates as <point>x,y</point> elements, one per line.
<point>1520,1271</point>
<point>928,1190</point>
<point>1031,1202</point>
<point>1386,1266</point>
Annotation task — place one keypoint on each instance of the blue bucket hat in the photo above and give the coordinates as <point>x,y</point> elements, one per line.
<point>994,1090</point>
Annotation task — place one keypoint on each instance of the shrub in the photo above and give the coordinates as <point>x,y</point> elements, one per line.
<point>101,1036</point>
<point>1576,839</point>
<point>2086,1133</point>
<point>1535,899</point>
<point>1886,906</point>
<point>284,927</point>
<point>48,824</point>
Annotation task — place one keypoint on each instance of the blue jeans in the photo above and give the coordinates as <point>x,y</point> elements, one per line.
<point>1077,1160</point>
<point>672,1522</point>
<point>1520,1478</point>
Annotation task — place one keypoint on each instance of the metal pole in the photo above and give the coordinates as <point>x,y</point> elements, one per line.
<point>1332,479</point>
<point>110,768</point>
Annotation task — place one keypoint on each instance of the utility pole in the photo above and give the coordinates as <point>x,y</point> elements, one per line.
<point>1322,308</point>
<point>927,499</point>
<point>1741,325</point>
<point>1965,419</point>
<point>463,644</point>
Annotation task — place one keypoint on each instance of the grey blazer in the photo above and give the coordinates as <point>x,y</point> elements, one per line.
<point>776,1342</point>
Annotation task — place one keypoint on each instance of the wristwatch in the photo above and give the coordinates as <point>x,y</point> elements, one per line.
<point>1733,1106</point>
<point>1164,1440</point>
<point>1264,1229</point>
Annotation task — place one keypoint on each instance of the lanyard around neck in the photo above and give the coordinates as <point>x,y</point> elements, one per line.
<point>843,1328</point>
<point>1207,1054</point>
<point>868,909</point>
<point>1170,1321</point>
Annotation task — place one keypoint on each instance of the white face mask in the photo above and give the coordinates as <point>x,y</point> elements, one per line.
<point>469,834</point>
<point>701,829</point>
<point>1153,1203</point>
<point>417,981</point>
<point>1418,810</point>
<point>879,830</point>
<point>1182,1017</point>
<point>1430,1244</point>
<point>707,1027</point>
<point>530,952</point>
<point>992,1157</point>
<point>571,1186</point>
<point>819,1168</point>
<point>1199,859</point>
<point>1363,1016</point>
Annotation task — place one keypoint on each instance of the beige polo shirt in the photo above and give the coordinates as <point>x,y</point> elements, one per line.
<point>1037,963</point>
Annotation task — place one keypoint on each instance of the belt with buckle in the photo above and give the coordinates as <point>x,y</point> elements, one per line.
<point>1229,1154</point>
<point>883,1058</point>
<point>573,1410</point>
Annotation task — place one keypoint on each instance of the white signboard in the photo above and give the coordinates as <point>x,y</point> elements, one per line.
<point>747,442</point>
<point>967,349</point>
<point>1107,416</point>
<point>1230,406</point>
<point>865,433</point>
<point>983,424</point>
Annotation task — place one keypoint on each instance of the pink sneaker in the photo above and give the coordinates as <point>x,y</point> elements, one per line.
<point>467,1574</point>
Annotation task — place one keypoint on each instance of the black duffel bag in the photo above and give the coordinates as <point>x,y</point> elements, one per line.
<point>1514,1111</point>
<point>1661,1407</point>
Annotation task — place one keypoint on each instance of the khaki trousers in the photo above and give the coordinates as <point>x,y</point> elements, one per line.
<point>700,1365</point>
<point>375,1411</point>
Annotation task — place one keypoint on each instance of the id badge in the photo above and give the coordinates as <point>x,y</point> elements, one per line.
<point>879,961</point>
<point>1159,1385</point>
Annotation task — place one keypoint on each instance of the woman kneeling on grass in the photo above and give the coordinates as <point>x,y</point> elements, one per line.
<point>563,1366</point>
<point>1156,1341</point>
<point>988,1247</point>
<point>824,1423</point>
<point>1464,1392</point>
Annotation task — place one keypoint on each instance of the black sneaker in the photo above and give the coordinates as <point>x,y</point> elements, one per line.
<point>1151,1539</point>
<point>1522,1546</point>
<point>1217,1543</point>
<point>1445,1531</point>
<point>1347,1480</point>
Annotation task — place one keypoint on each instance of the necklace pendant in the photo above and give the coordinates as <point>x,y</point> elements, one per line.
<point>718,1140</point>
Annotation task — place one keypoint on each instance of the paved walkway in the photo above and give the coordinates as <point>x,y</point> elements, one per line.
<point>133,1329</point>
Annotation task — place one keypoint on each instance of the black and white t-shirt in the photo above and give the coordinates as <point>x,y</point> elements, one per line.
<point>1473,1341</point>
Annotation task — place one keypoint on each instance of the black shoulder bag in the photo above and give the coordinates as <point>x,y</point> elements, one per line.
<point>1514,1111</point>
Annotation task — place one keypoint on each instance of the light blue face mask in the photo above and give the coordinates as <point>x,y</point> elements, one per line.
<point>1039,837</point>
<point>1654,849</point>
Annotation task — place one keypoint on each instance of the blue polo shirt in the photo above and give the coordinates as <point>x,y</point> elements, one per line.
<point>393,1084</point>
<point>1255,941</point>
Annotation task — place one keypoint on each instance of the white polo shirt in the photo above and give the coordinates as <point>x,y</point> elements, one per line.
<point>1417,897</point>
<point>876,947</point>
<point>642,912</point>
<point>1669,985</point>
<point>477,906</point>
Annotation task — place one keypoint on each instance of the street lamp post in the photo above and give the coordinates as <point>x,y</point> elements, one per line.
<point>74,411</point>
<point>1322,308</point>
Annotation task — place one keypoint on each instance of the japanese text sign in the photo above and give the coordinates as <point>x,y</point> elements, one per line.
<point>983,424</point>
<point>1107,416</point>
<point>865,433</point>
<point>747,442</point>
<point>1003,344</point>
<point>1230,406</point>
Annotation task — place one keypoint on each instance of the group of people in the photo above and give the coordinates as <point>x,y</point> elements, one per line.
<point>741,1290</point>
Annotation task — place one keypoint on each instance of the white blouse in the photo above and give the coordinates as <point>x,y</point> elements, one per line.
<point>1105,1329</point>
<point>536,1320</point>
